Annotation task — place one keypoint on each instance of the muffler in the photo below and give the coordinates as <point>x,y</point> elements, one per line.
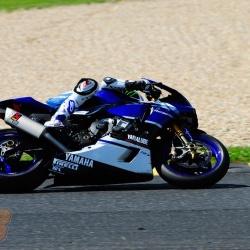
<point>31,127</point>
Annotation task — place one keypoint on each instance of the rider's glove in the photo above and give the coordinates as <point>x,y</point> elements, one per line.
<point>145,86</point>
<point>151,92</point>
<point>135,85</point>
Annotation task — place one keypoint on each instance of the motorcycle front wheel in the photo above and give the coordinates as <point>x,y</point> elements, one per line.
<point>21,163</point>
<point>208,165</point>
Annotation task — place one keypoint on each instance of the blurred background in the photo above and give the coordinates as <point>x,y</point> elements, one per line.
<point>201,48</point>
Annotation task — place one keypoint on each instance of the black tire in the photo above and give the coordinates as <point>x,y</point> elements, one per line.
<point>21,163</point>
<point>207,172</point>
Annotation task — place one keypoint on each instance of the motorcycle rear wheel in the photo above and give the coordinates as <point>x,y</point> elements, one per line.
<point>211,166</point>
<point>21,163</point>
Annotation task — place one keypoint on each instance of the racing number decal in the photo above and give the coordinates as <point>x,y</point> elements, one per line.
<point>5,216</point>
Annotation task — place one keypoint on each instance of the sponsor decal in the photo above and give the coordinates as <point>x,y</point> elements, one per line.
<point>71,162</point>
<point>15,118</point>
<point>5,216</point>
<point>162,112</point>
<point>59,164</point>
<point>138,139</point>
<point>144,153</point>
<point>80,160</point>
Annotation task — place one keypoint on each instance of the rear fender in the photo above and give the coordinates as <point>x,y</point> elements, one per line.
<point>26,105</point>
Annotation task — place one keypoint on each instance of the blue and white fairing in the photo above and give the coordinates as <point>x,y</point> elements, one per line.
<point>108,153</point>
<point>161,113</point>
<point>114,153</point>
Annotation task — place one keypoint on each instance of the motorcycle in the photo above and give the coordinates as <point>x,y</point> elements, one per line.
<point>112,138</point>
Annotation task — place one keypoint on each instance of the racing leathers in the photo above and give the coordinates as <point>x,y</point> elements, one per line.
<point>85,89</point>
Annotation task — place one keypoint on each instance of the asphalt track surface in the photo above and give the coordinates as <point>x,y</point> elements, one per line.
<point>152,215</point>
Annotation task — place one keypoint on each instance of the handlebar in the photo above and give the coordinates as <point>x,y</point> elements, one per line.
<point>152,93</point>
<point>174,93</point>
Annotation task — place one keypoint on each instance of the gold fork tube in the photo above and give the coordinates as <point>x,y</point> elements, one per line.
<point>180,133</point>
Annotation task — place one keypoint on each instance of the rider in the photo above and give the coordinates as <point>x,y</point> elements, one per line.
<point>85,89</point>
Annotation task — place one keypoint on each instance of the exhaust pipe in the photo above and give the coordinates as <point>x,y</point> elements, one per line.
<point>31,127</point>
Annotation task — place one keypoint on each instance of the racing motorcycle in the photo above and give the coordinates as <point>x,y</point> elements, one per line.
<point>112,138</point>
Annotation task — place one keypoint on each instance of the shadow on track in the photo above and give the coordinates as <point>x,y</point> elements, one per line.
<point>126,187</point>
<point>123,187</point>
<point>115,187</point>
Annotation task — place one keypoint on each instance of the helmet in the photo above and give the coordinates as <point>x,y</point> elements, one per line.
<point>86,86</point>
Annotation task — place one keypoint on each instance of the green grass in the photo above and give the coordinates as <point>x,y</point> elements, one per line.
<point>239,154</point>
<point>11,5</point>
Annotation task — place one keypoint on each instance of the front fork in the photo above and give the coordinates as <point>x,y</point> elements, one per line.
<point>189,147</point>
